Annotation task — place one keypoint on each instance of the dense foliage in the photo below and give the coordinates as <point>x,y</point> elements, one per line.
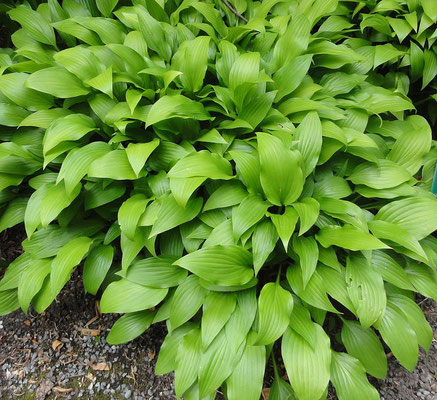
<point>252,173</point>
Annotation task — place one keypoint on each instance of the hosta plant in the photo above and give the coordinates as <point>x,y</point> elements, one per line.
<point>252,173</point>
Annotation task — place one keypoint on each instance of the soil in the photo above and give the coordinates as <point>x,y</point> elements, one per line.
<point>50,356</point>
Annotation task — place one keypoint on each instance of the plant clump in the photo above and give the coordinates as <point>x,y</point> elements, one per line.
<point>252,173</point>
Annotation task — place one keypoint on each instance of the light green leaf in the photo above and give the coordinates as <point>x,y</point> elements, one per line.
<point>129,327</point>
<point>13,214</point>
<point>217,309</point>
<point>263,243</point>
<point>308,368</point>
<point>67,258</point>
<point>247,214</point>
<point>281,176</point>
<point>246,381</point>
<point>308,211</point>
<point>349,378</point>
<point>399,336</point>
<point>285,224</point>
<point>124,296</point>
<point>222,265</point>
<point>363,344</point>
<point>274,307</point>
<point>138,153</point>
<point>113,165</point>
<point>96,267</point>
<point>348,237</point>
<point>56,81</point>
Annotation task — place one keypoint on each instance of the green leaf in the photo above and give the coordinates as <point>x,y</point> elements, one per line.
<point>124,296</point>
<point>217,309</point>
<point>138,153</point>
<point>187,362</point>
<point>158,272</point>
<point>399,336</point>
<point>67,258</point>
<point>113,165</point>
<point>228,194</point>
<point>56,81</point>
<point>349,378</point>
<point>187,300</point>
<point>176,106</point>
<point>285,224</point>
<point>247,214</point>
<point>130,213</point>
<point>13,214</point>
<point>222,265</point>
<point>11,115</point>
<point>349,237</point>
<point>414,214</point>
<point>416,319</point>
<point>129,327</point>
<point>274,307</point>
<point>246,381</point>
<point>309,141</point>
<point>102,82</point>
<point>202,164</point>
<point>35,25</point>
<point>308,252</point>
<point>96,267</point>
<point>171,214</point>
<point>70,128</point>
<point>363,344</point>
<point>8,301</point>
<point>281,176</point>
<point>308,211</point>
<point>192,60</point>
<point>31,281</point>
<point>385,174</point>
<point>106,6</point>
<point>366,290</point>
<point>308,368</point>
<point>263,243</point>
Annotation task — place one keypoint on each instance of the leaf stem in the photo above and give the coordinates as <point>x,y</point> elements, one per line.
<point>234,11</point>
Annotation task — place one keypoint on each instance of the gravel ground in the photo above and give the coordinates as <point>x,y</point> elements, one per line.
<point>51,356</point>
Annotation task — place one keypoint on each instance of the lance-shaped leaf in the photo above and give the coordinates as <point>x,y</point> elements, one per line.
<point>414,214</point>
<point>202,164</point>
<point>246,380</point>
<point>308,252</point>
<point>67,258</point>
<point>399,335</point>
<point>366,290</point>
<point>138,153</point>
<point>285,224</point>
<point>349,378</point>
<point>247,214</point>
<point>281,176</point>
<point>263,243</point>
<point>96,267</point>
<point>222,265</point>
<point>309,141</point>
<point>171,214</point>
<point>124,296</point>
<point>176,106</point>
<point>349,237</point>
<point>130,326</point>
<point>130,213</point>
<point>186,301</point>
<point>217,309</point>
<point>274,306</point>
<point>156,272</point>
<point>56,81</point>
<point>112,165</point>
<point>227,195</point>
<point>363,344</point>
<point>308,368</point>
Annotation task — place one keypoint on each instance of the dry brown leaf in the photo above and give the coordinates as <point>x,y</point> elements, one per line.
<point>57,345</point>
<point>266,393</point>
<point>90,376</point>
<point>43,389</point>
<point>152,354</point>
<point>26,322</point>
<point>60,389</point>
<point>89,332</point>
<point>101,366</point>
